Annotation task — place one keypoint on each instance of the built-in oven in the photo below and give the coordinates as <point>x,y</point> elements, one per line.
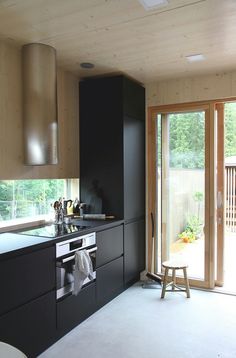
<point>65,262</point>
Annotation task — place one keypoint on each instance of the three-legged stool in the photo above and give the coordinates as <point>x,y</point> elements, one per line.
<point>174,265</point>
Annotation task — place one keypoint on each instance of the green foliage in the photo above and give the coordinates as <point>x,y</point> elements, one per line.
<point>159,147</point>
<point>187,138</point>
<point>192,230</point>
<point>230,129</point>
<point>198,196</point>
<point>194,225</point>
<point>21,198</point>
<point>187,236</point>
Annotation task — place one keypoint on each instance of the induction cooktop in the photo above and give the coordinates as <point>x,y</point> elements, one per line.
<point>54,230</point>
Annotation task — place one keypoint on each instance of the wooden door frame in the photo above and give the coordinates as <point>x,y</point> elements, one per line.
<point>210,161</point>
<point>151,184</point>
<point>220,188</point>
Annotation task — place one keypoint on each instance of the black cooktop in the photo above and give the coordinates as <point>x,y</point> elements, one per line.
<point>54,230</point>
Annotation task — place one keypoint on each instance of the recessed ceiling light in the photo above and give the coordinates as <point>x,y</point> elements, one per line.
<point>153,4</point>
<point>195,58</point>
<point>87,65</point>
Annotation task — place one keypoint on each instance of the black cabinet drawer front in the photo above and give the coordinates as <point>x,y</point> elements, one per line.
<point>110,245</point>
<point>26,277</point>
<point>110,280</point>
<point>32,327</point>
<point>74,309</point>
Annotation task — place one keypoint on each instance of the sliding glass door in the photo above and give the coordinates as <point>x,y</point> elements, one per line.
<point>182,190</point>
<point>226,196</point>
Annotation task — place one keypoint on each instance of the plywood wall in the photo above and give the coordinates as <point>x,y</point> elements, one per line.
<point>11,131</point>
<point>191,89</point>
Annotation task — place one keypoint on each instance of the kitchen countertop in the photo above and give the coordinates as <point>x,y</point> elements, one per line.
<point>17,243</point>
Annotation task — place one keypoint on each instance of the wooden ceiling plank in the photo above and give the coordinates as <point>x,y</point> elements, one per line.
<point>122,36</point>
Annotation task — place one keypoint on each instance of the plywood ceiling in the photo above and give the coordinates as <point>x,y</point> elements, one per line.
<point>120,36</point>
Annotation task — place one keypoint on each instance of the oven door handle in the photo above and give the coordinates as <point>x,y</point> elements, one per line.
<point>92,250</point>
<point>73,256</point>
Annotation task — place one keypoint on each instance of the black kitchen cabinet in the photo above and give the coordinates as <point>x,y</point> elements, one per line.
<point>134,251</point>
<point>112,146</point>
<point>134,169</point>
<point>133,99</point>
<point>110,245</point>
<point>31,327</point>
<point>74,309</point>
<point>110,281</point>
<point>28,301</point>
<point>26,277</point>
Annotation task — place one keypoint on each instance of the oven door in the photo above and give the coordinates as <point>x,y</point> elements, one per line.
<point>65,273</point>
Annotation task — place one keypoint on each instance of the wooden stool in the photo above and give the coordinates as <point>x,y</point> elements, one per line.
<point>174,265</point>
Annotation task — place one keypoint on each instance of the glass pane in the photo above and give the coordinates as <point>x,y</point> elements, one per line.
<point>158,186</point>
<point>230,197</point>
<point>29,198</point>
<point>182,189</point>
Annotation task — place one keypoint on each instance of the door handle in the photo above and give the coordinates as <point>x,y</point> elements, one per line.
<point>152,221</point>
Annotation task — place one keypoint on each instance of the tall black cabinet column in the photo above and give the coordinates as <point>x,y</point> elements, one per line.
<point>112,159</point>
<point>134,181</point>
<point>101,146</point>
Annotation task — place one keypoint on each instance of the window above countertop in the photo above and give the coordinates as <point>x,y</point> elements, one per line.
<point>20,223</point>
<point>26,203</point>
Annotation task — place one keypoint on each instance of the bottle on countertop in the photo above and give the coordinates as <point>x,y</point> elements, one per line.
<point>69,207</point>
<point>76,205</point>
<point>82,209</point>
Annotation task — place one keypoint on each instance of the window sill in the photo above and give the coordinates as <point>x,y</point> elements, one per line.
<point>22,223</point>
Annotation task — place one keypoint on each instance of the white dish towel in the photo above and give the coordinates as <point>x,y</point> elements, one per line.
<point>83,269</point>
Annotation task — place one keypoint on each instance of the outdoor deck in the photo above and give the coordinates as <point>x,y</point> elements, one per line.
<point>193,253</point>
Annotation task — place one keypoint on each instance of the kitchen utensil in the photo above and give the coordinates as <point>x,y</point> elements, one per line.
<point>67,219</point>
<point>95,217</point>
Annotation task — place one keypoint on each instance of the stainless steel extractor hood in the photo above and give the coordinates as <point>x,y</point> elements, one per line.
<point>39,104</point>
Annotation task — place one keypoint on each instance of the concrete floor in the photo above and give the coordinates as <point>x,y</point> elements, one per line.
<point>138,324</point>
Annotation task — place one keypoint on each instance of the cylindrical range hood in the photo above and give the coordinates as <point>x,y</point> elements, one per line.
<point>39,104</point>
